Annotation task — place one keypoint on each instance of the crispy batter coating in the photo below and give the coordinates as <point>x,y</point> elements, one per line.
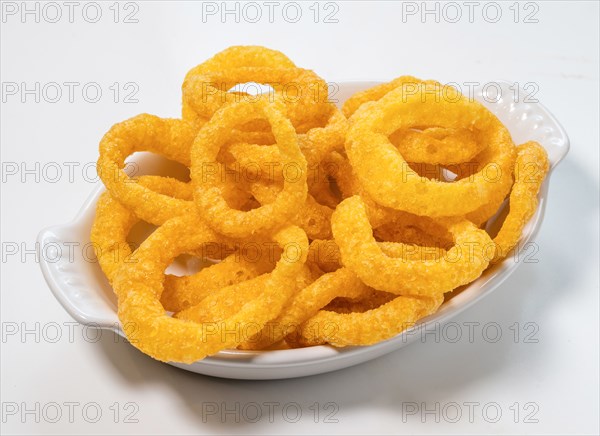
<point>205,88</point>
<point>462,263</point>
<point>370,327</point>
<point>170,138</point>
<point>319,225</point>
<point>388,179</point>
<point>208,175</point>
<point>530,171</point>
<point>113,222</point>
<point>165,338</point>
<point>305,304</point>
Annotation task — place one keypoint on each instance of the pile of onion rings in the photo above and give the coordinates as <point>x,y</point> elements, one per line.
<point>315,225</point>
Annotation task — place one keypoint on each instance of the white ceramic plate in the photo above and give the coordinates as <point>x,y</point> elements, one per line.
<point>79,284</point>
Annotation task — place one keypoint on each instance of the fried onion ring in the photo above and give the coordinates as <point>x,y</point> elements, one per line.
<point>386,175</point>
<point>530,171</point>
<point>370,327</point>
<point>207,172</point>
<point>464,262</point>
<point>170,138</point>
<point>162,337</point>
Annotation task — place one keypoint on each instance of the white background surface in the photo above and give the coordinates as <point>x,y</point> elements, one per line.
<point>554,380</point>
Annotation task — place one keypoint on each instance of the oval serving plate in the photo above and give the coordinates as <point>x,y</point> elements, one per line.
<point>81,288</point>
